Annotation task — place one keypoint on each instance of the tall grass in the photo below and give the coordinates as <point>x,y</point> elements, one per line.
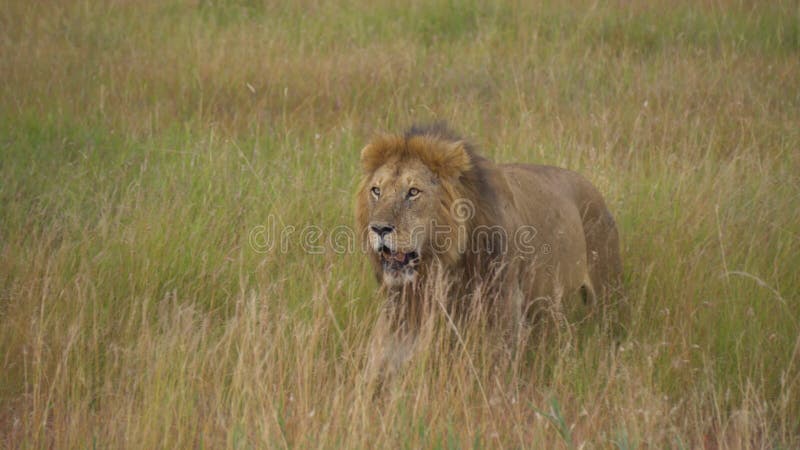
<point>142,143</point>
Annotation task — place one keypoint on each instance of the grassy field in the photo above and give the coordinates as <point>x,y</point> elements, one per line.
<point>146,146</point>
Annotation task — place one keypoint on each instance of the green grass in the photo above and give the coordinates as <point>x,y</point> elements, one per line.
<point>142,143</point>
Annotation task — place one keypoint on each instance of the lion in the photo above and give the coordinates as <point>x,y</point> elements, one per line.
<point>521,234</point>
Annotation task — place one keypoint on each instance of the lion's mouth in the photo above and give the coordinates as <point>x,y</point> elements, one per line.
<point>396,260</point>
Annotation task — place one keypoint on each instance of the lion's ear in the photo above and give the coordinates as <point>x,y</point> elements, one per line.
<point>377,152</point>
<point>453,160</point>
<point>369,158</point>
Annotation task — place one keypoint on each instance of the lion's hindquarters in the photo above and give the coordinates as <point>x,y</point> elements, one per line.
<point>602,246</point>
<point>604,261</point>
<point>577,240</point>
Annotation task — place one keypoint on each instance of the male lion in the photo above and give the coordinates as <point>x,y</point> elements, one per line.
<point>520,234</point>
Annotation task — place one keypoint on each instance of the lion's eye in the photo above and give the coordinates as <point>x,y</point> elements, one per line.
<point>413,192</point>
<point>376,191</point>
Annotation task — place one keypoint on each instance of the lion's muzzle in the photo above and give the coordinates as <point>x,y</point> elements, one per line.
<point>398,260</point>
<point>399,266</point>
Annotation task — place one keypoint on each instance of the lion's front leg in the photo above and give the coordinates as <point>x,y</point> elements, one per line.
<point>389,351</point>
<point>391,346</point>
<point>512,300</point>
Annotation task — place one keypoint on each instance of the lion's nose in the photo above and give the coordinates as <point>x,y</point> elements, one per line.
<point>381,229</point>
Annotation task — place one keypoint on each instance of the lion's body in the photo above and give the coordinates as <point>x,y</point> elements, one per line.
<point>576,241</point>
<point>534,234</point>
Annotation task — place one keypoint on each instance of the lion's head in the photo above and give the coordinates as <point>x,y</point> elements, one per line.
<point>416,203</point>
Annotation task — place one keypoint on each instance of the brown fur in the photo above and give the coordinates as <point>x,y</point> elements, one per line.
<point>575,247</point>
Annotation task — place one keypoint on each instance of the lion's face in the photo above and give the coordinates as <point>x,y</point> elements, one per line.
<point>404,199</point>
<point>403,204</point>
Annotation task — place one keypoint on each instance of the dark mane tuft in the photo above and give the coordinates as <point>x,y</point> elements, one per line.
<point>440,131</point>
<point>477,176</point>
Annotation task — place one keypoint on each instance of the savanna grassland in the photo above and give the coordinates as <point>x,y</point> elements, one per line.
<point>145,147</point>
